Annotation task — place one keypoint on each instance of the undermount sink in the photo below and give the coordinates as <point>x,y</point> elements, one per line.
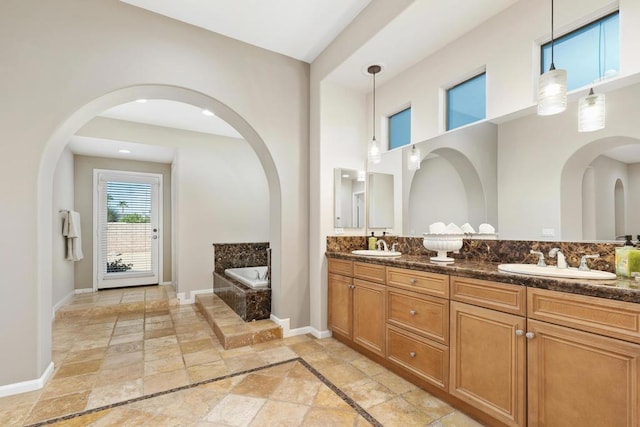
<point>369,252</point>
<point>553,271</point>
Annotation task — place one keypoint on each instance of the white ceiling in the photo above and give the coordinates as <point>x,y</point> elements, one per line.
<point>626,154</point>
<point>98,147</point>
<point>300,29</point>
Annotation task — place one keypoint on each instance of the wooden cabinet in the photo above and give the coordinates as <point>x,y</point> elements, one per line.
<point>488,361</point>
<point>581,379</point>
<point>356,306</point>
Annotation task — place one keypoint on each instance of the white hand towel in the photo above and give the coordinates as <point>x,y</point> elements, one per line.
<point>486,229</point>
<point>453,229</point>
<point>437,228</point>
<point>71,229</point>
<point>467,228</point>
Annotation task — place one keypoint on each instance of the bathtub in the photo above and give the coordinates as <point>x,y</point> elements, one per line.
<point>253,277</point>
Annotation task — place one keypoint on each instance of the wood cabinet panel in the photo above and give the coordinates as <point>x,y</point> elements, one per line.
<point>497,296</point>
<point>369,302</point>
<point>341,266</point>
<point>371,272</point>
<point>581,379</point>
<point>616,319</point>
<point>340,305</point>
<point>421,314</point>
<point>419,281</point>
<point>426,359</point>
<point>488,361</point>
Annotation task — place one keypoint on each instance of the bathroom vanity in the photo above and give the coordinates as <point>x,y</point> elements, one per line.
<point>507,349</point>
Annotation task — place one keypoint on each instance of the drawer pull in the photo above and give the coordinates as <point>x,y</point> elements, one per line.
<point>413,281</point>
<point>412,354</point>
<point>412,312</point>
<point>530,335</point>
<point>519,332</point>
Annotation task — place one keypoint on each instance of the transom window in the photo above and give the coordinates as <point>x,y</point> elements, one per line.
<point>400,129</point>
<point>589,54</point>
<point>466,102</point>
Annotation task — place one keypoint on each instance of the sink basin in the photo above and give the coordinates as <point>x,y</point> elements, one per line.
<point>553,271</point>
<point>369,252</point>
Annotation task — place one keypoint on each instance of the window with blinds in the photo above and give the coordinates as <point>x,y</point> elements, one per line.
<point>127,232</point>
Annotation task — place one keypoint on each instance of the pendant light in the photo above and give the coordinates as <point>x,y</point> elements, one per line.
<point>591,111</point>
<point>552,86</point>
<point>413,160</point>
<point>373,150</point>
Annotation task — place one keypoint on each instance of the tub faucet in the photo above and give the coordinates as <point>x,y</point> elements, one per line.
<point>382,245</point>
<point>562,262</point>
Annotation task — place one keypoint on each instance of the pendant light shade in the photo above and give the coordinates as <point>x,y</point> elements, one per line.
<point>591,112</point>
<point>373,148</point>
<point>413,161</point>
<point>552,92</point>
<point>552,86</point>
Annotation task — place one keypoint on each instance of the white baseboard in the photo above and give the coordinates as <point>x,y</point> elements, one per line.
<point>25,386</point>
<point>288,332</point>
<point>165,283</point>
<point>84,291</point>
<point>61,303</point>
<point>191,299</point>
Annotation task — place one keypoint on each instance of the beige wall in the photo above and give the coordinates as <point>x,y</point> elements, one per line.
<point>63,270</point>
<point>83,194</point>
<point>68,60</point>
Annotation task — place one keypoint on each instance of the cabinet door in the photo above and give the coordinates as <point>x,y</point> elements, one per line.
<point>369,316</point>
<point>340,305</point>
<point>581,379</point>
<point>488,359</point>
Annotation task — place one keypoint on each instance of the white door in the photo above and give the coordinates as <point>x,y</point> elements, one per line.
<point>126,212</point>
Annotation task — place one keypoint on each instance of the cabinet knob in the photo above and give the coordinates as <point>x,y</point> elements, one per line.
<point>412,354</point>
<point>412,312</point>
<point>412,281</point>
<point>519,332</point>
<point>530,335</point>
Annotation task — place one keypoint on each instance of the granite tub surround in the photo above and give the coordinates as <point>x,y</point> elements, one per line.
<point>250,304</point>
<point>485,266</point>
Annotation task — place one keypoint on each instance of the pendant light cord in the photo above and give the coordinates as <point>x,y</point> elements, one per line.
<point>553,67</point>
<point>374,106</point>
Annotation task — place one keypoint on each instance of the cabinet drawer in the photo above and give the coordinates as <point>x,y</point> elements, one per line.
<point>616,319</point>
<point>492,295</point>
<point>370,272</point>
<point>421,314</point>
<point>424,358</point>
<point>419,281</point>
<point>341,266</point>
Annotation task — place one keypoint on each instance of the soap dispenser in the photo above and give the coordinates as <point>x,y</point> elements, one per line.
<point>627,258</point>
<point>372,242</point>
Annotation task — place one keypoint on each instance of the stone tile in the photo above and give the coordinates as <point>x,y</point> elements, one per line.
<point>66,385</point>
<point>78,368</point>
<point>326,398</point>
<point>119,360</point>
<point>15,415</point>
<point>278,354</point>
<point>306,347</point>
<point>280,414</point>
<point>394,383</point>
<point>84,355</point>
<point>201,357</point>
<point>368,393</point>
<point>196,345</point>
<point>257,385</point>
<point>125,347</point>
<point>428,403</point>
<point>162,352</point>
<point>368,366</point>
<point>342,375</point>
<point>118,375</point>
<point>58,406</point>
<point>297,390</point>
<point>160,342</point>
<point>207,371</point>
<point>244,363</point>
<point>121,339</point>
<point>324,417</point>
<point>158,333</point>
<point>457,419</point>
<point>235,410</point>
<point>113,393</point>
<point>398,412</point>
<point>165,381</point>
<point>126,330</point>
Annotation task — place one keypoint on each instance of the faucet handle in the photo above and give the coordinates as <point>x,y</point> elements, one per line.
<point>393,247</point>
<point>541,262</point>
<point>583,261</point>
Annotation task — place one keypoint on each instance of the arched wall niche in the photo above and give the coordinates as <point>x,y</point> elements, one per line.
<point>457,172</point>
<point>573,200</point>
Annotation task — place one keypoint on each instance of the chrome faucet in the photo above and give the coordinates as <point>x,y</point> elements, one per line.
<point>562,262</point>
<point>583,261</point>
<point>382,244</point>
<point>393,247</point>
<point>541,262</point>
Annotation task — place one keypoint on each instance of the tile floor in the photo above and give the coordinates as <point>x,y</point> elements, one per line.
<point>165,367</point>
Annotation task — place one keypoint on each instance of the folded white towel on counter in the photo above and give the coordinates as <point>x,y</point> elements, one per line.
<point>486,229</point>
<point>453,229</point>
<point>467,228</point>
<point>437,228</point>
<point>71,230</point>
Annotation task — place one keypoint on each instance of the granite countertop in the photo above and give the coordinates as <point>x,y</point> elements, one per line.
<point>621,289</point>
